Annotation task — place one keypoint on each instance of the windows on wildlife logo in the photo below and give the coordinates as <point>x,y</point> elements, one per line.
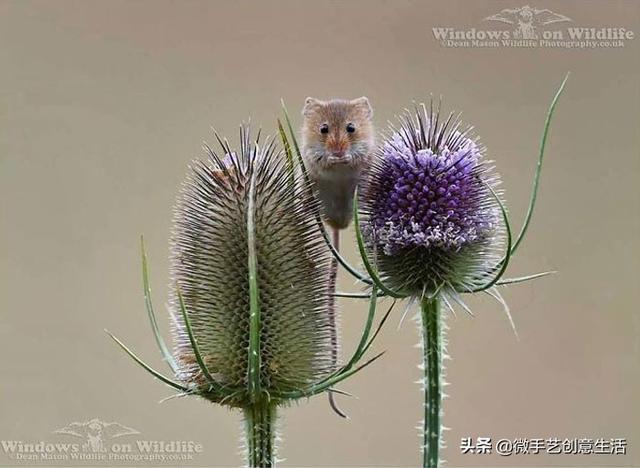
<point>529,27</point>
<point>99,441</point>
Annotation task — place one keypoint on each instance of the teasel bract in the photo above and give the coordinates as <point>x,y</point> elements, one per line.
<point>248,293</point>
<point>431,226</point>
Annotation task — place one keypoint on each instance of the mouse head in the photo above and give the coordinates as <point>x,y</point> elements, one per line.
<point>338,132</point>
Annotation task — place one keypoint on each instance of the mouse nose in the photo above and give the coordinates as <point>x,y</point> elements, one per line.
<point>338,148</point>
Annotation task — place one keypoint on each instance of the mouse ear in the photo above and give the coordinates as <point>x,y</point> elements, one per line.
<point>363,103</point>
<point>310,104</point>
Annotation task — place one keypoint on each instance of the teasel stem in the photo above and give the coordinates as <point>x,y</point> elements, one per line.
<point>260,419</point>
<point>432,364</point>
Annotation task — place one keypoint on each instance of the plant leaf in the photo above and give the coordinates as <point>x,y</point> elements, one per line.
<point>287,152</point>
<point>145,366</point>
<point>507,256</point>
<point>365,332</point>
<point>536,178</point>
<point>379,327</point>
<point>194,342</point>
<point>164,350</point>
<point>254,356</point>
<point>315,389</point>
<point>522,279</point>
<point>355,295</point>
<point>363,253</point>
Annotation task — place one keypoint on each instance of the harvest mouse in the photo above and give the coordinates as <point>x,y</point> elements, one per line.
<point>337,147</point>
<point>337,142</point>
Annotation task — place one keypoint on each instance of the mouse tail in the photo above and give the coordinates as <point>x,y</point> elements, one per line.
<point>331,312</point>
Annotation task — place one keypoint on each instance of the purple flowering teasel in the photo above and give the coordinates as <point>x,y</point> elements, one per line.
<point>432,214</point>
<point>431,226</point>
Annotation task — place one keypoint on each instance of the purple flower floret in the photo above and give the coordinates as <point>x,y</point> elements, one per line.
<point>428,201</point>
<point>433,200</point>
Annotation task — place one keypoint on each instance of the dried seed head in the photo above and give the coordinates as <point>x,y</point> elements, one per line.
<point>209,263</point>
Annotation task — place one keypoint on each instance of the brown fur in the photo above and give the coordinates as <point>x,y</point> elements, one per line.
<point>337,160</point>
<point>338,143</point>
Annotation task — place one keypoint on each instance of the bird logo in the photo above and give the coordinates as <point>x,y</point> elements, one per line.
<point>96,433</point>
<point>527,20</point>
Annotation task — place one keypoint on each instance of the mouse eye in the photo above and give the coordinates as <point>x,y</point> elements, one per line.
<point>351,128</point>
<point>324,128</point>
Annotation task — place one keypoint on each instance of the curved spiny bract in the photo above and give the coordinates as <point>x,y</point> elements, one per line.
<point>431,218</point>
<point>209,265</point>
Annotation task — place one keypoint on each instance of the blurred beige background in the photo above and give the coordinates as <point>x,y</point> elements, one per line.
<point>103,103</point>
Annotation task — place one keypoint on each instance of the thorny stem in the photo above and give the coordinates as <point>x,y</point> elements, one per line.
<point>432,362</point>
<point>260,420</point>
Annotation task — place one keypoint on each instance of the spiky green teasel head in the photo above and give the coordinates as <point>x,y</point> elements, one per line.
<point>242,220</point>
<point>432,213</point>
<point>249,290</point>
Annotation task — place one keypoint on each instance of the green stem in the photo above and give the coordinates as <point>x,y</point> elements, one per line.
<point>260,421</point>
<point>432,361</point>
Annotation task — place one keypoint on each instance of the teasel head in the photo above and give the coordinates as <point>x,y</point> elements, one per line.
<point>239,217</point>
<point>433,226</point>
<point>431,230</point>
<point>432,213</point>
<point>248,292</point>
